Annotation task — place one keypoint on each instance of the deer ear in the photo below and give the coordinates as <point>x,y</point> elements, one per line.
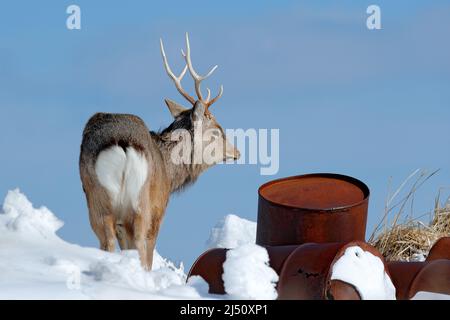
<point>198,111</point>
<point>174,108</point>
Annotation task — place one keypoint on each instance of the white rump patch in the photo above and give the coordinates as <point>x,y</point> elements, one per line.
<point>366,272</point>
<point>123,174</point>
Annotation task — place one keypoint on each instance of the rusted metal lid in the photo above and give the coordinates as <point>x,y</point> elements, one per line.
<point>315,192</point>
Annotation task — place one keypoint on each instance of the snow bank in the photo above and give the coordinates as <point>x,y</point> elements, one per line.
<point>231,232</point>
<point>366,272</point>
<point>423,295</point>
<point>20,216</point>
<point>247,274</point>
<point>36,264</point>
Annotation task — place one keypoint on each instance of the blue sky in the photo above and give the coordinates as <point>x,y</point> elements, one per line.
<point>371,104</point>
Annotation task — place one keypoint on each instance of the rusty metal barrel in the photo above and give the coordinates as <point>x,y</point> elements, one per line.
<point>210,265</point>
<point>319,208</point>
<point>304,271</point>
<point>440,250</point>
<point>431,275</point>
<point>307,272</point>
<point>306,223</point>
<point>409,278</point>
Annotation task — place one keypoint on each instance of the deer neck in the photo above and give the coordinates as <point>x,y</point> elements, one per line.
<point>179,175</point>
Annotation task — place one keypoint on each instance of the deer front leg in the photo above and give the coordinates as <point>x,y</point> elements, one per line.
<point>150,248</point>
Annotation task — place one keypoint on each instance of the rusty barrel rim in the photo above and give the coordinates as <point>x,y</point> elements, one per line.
<point>358,183</point>
<point>209,265</point>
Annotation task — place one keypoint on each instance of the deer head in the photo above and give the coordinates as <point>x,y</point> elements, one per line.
<point>199,114</point>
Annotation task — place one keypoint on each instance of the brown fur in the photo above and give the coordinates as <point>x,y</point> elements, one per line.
<point>136,229</point>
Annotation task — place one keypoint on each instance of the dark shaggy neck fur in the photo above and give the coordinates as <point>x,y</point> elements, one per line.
<point>181,175</point>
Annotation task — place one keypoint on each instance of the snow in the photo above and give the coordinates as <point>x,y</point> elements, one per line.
<point>20,217</point>
<point>247,274</point>
<point>232,232</point>
<point>35,263</point>
<point>365,272</point>
<point>423,295</point>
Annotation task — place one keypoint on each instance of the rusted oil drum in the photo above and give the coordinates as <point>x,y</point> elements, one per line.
<point>402,275</point>
<point>410,278</point>
<point>319,208</point>
<point>210,265</point>
<point>433,277</point>
<point>306,273</point>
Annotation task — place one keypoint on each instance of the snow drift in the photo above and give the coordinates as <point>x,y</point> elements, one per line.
<point>35,263</point>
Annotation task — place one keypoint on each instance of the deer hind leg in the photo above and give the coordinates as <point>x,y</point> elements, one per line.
<point>125,232</point>
<point>152,234</point>
<point>110,233</point>
<point>146,234</point>
<point>102,220</point>
<point>121,236</point>
<point>129,229</point>
<point>145,228</point>
<point>139,239</point>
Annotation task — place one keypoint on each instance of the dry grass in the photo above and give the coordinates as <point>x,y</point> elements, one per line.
<point>406,238</point>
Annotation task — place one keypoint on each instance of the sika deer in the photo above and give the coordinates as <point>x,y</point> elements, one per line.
<point>128,172</point>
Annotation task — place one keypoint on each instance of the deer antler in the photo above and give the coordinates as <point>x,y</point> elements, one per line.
<point>197,78</point>
<point>176,80</point>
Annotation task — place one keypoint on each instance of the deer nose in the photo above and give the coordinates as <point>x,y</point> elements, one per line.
<point>237,154</point>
